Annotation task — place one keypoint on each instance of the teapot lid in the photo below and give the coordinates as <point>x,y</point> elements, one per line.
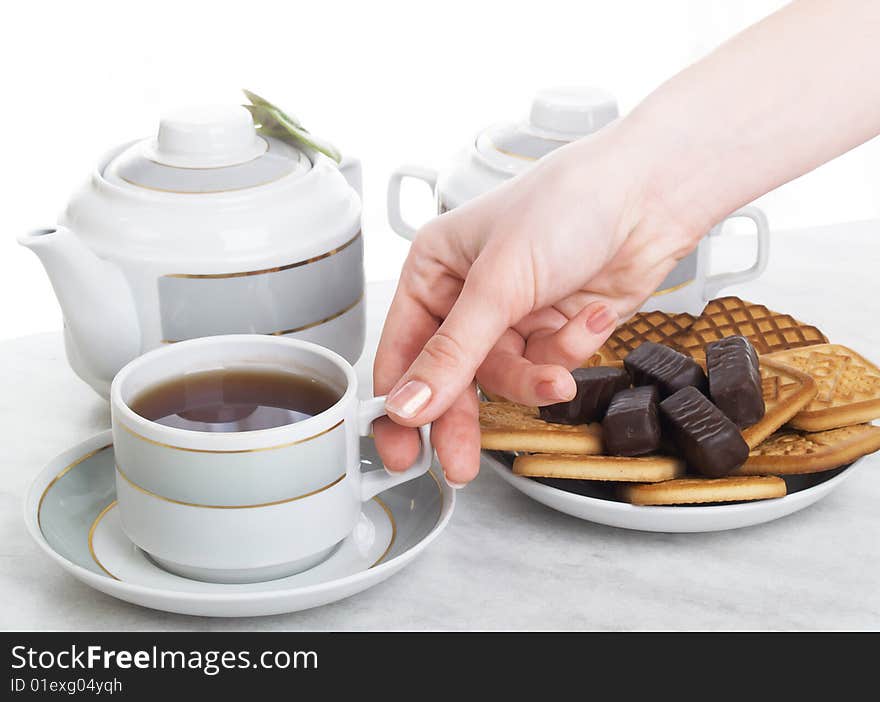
<point>558,116</point>
<point>206,149</point>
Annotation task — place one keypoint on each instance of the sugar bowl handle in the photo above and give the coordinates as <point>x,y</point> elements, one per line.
<point>715,283</point>
<point>395,218</point>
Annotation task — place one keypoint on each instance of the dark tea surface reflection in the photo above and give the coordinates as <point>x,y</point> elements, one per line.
<point>234,399</point>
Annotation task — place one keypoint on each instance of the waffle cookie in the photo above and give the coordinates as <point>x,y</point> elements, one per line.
<point>641,469</point>
<point>848,386</point>
<point>506,426</point>
<point>794,452</point>
<point>729,316</point>
<point>658,327</point>
<point>696,490</point>
<point>786,392</point>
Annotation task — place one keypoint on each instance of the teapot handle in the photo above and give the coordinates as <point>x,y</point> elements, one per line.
<point>350,167</point>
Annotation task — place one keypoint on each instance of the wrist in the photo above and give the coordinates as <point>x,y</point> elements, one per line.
<point>671,175</point>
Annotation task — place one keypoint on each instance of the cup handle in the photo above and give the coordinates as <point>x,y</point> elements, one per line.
<point>395,218</point>
<point>377,481</point>
<point>714,283</point>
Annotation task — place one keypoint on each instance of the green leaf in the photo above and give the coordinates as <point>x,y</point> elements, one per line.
<point>258,101</point>
<point>274,122</point>
<point>262,118</point>
<point>305,138</point>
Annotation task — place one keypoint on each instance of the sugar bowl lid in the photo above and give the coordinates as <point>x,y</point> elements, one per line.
<point>558,116</point>
<point>206,149</point>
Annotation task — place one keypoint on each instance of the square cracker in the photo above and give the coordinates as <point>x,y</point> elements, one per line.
<point>506,426</point>
<point>793,452</point>
<point>768,331</point>
<point>659,327</point>
<point>786,392</point>
<point>848,386</point>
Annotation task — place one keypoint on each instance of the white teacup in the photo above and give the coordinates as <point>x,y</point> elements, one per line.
<point>245,506</point>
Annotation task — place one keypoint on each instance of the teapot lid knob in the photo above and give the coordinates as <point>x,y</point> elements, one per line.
<point>573,111</point>
<point>207,137</point>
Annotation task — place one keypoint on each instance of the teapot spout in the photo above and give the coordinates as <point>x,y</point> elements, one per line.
<point>101,326</point>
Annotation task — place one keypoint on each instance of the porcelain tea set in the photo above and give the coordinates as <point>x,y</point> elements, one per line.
<point>219,242</point>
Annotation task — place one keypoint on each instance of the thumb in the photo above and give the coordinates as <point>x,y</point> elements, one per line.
<point>449,359</point>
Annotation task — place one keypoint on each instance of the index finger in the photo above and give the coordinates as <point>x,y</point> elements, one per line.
<point>407,327</point>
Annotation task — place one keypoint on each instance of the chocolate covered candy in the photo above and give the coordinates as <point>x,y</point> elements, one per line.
<point>708,441</point>
<point>632,423</point>
<point>735,380</point>
<point>595,388</point>
<point>669,370</point>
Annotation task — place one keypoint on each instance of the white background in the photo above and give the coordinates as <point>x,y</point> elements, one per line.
<point>390,82</point>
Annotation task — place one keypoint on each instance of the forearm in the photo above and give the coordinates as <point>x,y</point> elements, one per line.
<point>774,102</point>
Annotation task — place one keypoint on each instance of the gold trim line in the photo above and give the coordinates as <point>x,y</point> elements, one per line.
<point>393,531</point>
<point>320,321</point>
<point>92,535</point>
<point>521,157</point>
<point>196,504</point>
<point>393,523</point>
<point>513,154</point>
<point>673,288</point>
<point>60,475</point>
<point>297,329</point>
<point>439,488</point>
<point>250,450</point>
<point>264,271</point>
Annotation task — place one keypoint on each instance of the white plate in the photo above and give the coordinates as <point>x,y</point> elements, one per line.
<point>599,506</point>
<point>70,512</point>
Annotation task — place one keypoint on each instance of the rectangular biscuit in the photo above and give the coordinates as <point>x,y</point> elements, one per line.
<point>506,426</point>
<point>642,469</point>
<point>848,386</point>
<point>791,452</point>
<point>704,490</point>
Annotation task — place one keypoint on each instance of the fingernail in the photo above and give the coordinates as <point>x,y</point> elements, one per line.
<point>390,472</point>
<point>600,319</point>
<point>552,390</point>
<point>408,400</point>
<point>547,390</point>
<point>453,484</point>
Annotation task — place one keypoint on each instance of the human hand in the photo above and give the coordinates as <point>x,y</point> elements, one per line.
<point>524,283</point>
<point>517,288</point>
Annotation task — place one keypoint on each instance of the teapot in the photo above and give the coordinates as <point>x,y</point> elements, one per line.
<point>558,117</point>
<point>206,228</point>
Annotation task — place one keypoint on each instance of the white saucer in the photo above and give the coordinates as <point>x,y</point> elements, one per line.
<point>71,512</point>
<point>596,503</point>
